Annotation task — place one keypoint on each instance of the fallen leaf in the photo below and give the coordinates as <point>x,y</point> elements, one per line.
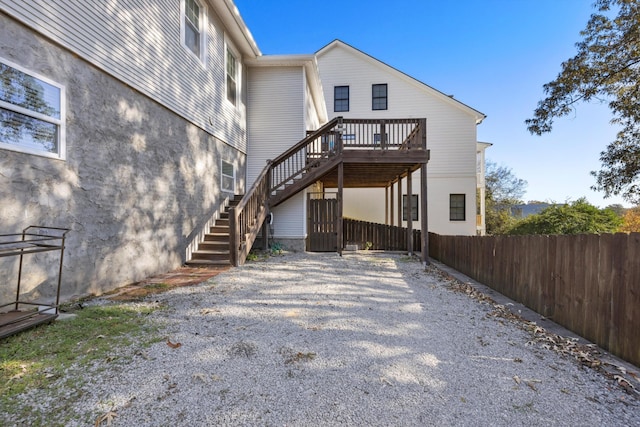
<point>516,379</point>
<point>200,376</point>
<point>531,386</point>
<point>108,417</point>
<point>172,345</point>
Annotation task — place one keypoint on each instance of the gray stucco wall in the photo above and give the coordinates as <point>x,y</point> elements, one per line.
<point>137,184</point>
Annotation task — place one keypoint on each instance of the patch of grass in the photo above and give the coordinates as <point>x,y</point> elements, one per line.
<point>37,357</point>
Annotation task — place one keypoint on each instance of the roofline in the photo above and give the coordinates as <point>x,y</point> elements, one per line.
<point>230,15</point>
<point>312,73</point>
<point>337,42</point>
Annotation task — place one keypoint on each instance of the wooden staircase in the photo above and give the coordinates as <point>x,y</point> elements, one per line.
<point>323,152</point>
<point>214,249</point>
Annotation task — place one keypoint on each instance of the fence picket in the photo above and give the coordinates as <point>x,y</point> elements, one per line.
<point>588,283</point>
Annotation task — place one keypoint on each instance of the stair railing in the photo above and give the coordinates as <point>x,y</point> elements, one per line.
<point>246,219</point>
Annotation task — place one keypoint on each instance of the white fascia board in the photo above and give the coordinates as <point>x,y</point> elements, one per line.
<point>479,117</point>
<point>235,25</point>
<point>310,64</point>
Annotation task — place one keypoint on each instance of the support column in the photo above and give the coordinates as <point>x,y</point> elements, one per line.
<point>386,205</point>
<point>340,226</point>
<point>390,205</point>
<point>408,210</point>
<point>399,201</point>
<point>424,223</point>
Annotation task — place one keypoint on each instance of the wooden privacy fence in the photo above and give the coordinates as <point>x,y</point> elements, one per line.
<point>590,284</point>
<point>369,235</point>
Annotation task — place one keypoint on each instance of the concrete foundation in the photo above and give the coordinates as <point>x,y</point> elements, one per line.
<point>138,182</point>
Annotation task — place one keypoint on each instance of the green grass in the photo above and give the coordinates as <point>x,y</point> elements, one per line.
<point>38,357</point>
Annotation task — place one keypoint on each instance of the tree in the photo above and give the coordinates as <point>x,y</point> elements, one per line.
<point>631,220</point>
<point>579,217</point>
<point>503,190</point>
<point>606,67</point>
<point>617,208</point>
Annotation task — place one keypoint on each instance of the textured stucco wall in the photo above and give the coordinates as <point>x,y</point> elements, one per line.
<point>137,183</point>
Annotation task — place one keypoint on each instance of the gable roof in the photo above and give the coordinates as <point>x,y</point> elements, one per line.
<point>404,76</point>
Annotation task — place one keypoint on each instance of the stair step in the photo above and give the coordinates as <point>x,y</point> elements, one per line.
<point>207,263</point>
<point>224,222</point>
<point>216,237</point>
<point>216,245</point>
<point>210,255</point>
<point>219,229</point>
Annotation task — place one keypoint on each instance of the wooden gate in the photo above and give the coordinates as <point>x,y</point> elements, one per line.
<point>322,225</point>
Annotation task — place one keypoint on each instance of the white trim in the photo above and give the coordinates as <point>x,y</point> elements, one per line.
<point>223,176</point>
<point>228,46</point>
<point>60,123</point>
<point>203,24</point>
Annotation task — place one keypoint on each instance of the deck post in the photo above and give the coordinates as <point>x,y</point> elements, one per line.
<point>340,225</point>
<point>399,201</point>
<point>424,224</point>
<point>234,232</point>
<point>408,211</point>
<point>386,205</point>
<point>390,205</point>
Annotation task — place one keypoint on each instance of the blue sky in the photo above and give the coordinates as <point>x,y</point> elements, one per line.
<point>493,55</point>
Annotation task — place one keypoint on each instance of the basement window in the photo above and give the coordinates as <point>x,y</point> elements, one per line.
<point>228,182</point>
<point>32,112</point>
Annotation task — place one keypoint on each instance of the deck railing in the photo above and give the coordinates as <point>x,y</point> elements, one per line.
<point>330,140</point>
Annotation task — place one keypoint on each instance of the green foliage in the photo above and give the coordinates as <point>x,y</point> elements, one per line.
<point>498,220</point>
<point>606,67</point>
<point>579,217</point>
<point>503,190</point>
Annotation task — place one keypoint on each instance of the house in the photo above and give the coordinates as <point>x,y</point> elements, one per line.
<point>137,125</point>
<point>357,85</point>
<point>126,122</point>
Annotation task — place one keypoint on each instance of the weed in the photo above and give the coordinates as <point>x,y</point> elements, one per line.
<point>38,357</point>
<point>367,246</point>
<point>276,248</point>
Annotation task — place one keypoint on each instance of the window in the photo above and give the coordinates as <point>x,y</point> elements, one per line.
<point>414,207</point>
<point>379,93</point>
<point>341,98</point>
<point>228,177</point>
<point>193,28</point>
<point>31,112</point>
<point>457,207</point>
<point>232,73</point>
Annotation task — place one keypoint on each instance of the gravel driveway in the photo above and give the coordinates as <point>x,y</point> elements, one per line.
<point>367,339</point>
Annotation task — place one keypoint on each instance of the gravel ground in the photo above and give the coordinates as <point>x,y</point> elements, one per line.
<point>365,339</point>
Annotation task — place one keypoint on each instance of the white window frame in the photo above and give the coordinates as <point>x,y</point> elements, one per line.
<point>60,123</point>
<point>228,47</point>
<point>202,18</point>
<point>223,176</point>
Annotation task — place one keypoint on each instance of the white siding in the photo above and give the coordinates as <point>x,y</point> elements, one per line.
<point>276,118</point>
<point>139,43</point>
<point>451,132</point>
